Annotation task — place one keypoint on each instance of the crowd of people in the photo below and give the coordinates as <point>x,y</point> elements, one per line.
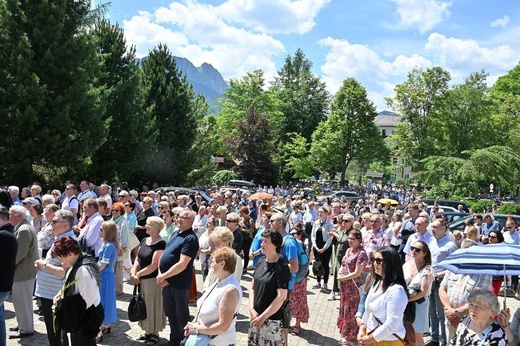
<point>73,251</point>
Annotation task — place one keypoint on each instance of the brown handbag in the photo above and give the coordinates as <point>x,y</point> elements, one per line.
<point>409,337</point>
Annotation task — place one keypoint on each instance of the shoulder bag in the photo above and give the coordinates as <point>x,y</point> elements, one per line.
<point>137,307</point>
<point>409,337</point>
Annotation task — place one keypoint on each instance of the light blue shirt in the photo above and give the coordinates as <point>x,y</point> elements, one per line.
<point>440,249</point>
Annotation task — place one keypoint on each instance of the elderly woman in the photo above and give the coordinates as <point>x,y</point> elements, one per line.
<point>223,237</point>
<point>123,233</point>
<point>46,236</point>
<point>38,221</point>
<point>218,307</point>
<point>268,293</point>
<point>144,272</point>
<point>321,244</point>
<point>385,302</point>
<point>169,218</point>
<point>57,197</point>
<point>480,327</point>
<point>80,294</point>
<point>206,247</point>
<point>163,207</point>
<point>417,274</point>
<point>140,228</point>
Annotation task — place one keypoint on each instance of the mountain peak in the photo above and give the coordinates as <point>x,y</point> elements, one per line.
<point>206,79</point>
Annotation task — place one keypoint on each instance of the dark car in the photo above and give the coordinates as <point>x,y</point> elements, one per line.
<point>460,224</point>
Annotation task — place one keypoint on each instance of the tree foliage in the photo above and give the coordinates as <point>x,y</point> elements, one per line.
<point>244,94</point>
<point>417,100</point>
<point>303,96</point>
<point>176,112</point>
<point>296,159</point>
<point>349,133</point>
<point>223,177</point>
<point>131,133</point>
<point>252,148</point>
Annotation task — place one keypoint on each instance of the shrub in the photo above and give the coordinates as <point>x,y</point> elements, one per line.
<point>509,208</point>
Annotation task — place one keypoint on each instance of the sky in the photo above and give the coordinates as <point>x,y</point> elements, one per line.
<point>375,41</point>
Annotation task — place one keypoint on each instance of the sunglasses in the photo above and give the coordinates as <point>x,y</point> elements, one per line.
<point>416,249</point>
<point>345,220</point>
<point>378,260</point>
<point>56,221</point>
<point>116,211</point>
<point>231,221</point>
<point>492,237</point>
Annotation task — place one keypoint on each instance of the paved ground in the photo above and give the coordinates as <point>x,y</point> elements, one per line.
<point>321,329</point>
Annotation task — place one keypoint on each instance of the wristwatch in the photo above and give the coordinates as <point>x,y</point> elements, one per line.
<point>456,311</point>
<point>44,266</point>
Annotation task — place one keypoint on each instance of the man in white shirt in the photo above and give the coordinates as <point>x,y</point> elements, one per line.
<point>85,191</point>
<point>422,233</point>
<point>89,236</point>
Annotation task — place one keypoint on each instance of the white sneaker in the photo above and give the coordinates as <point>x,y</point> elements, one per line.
<point>331,297</point>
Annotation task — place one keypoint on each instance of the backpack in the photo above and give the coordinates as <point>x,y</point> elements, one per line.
<point>303,259</point>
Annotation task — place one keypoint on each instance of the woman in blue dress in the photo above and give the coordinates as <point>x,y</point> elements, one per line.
<point>107,288</point>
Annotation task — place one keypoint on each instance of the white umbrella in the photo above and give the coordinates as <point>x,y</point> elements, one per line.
<point>494,259</point>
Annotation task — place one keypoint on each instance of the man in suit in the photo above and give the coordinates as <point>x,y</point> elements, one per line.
<point>8,248</point>
<point>25,272</point>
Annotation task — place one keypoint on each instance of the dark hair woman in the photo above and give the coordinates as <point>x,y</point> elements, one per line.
<point>496,237</point>
<point>268,292</point>
<point>79,310</point>
<point>385,302</point>
<point>419,279</point>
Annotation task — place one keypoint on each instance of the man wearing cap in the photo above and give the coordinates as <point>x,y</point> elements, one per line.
<point>27,204</point>
<point>8,249</point>
<point>25,272</point>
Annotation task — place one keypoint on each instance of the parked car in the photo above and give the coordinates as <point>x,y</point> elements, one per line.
<point>445,202</point>
<point>242,183</point>
<point>452,216</point>
<point>351,197</point>
<point>460,224</point>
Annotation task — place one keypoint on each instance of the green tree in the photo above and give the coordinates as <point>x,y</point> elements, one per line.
<point>304,97</point>
<point>176,113</point>
<point>242,94</point>
<point>465,117</point>
<point>52,112</point>
<point>297,162</point>
<point>417,101</point>
<point>223,177</point>
<point>252,148</point>
<point>349,133</point>
<point>131,134</point>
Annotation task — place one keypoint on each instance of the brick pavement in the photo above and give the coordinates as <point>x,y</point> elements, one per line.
<point>321,329</point>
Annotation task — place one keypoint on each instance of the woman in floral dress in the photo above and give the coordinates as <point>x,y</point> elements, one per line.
<point>350,278</point>
<point>298,296</point>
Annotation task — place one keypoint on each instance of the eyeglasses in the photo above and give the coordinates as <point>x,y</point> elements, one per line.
<point>116,211</point>
<point>375,221</point>
<point>56,221</point>
<point>352,239</point>
<point>492,237</point>
<point>162,208</point>
<point>416,249</point>
<point>378,260</point>
<point>345,220</point>
<point>231,221</point>
<point>295,233</point>
<point>122,196</point>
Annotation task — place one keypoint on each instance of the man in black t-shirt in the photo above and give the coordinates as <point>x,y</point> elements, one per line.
<point>175,274</point>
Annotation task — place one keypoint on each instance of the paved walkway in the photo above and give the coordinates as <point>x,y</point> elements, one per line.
<point>321,329</point>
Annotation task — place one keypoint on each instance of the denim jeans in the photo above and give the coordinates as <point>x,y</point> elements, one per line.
<point>437,318</point>
<point>3,335</point>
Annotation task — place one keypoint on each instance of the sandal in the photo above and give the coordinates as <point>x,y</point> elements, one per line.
<point>296,331</point>
<point>144,337</point>
<point>152,339</point>
<point>343,341</point>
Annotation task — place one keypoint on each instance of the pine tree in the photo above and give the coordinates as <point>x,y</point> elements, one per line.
<point>51,110</point>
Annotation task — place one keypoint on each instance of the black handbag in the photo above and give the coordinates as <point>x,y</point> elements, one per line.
<point>317,268</point>
<point>137,307</point>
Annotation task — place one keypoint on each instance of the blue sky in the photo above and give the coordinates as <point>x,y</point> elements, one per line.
<point>375,41</point>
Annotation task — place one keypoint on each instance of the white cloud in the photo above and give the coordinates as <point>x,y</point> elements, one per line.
<point>502,22</point>
<point>376,74</point>
<point>425,14</point>
<point>200,33</point>
<point>467,54</point>
<point>274,16</point>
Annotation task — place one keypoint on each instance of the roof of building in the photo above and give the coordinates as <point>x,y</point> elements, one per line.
<point>387,120</point>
